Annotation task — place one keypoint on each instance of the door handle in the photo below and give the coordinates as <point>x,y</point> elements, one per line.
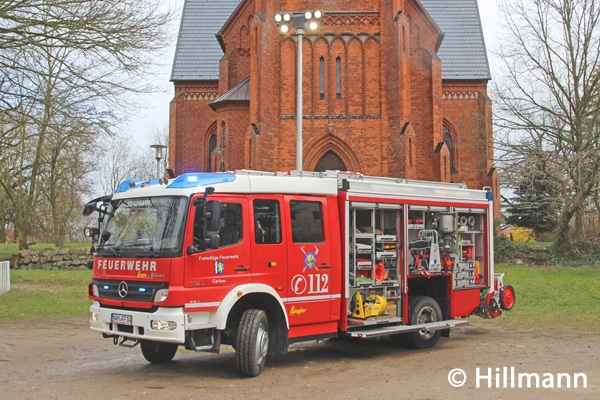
<point>241,268</point>
<point>324,266</point>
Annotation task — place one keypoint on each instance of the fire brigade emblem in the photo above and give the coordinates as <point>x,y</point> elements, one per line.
<point>310,259</point>
<point>219,267</point>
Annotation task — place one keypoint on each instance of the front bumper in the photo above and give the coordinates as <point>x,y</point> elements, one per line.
<point>140,326</point>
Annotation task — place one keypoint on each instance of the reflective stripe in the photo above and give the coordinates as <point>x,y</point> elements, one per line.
<point>200,305</point>
<point>312,298</point>
<point>285,300</point>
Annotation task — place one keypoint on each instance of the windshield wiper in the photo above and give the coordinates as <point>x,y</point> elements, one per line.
<point>109,247</point>
<point>133,248</point>
<point>149,249</point>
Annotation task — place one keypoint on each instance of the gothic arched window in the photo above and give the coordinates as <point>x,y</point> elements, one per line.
<point>451,149</point>
<point>338,78</point>
<point>212,146</point>
<point>321,78</point>
<point>330,161</point>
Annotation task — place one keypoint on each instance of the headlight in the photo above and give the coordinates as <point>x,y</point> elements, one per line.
<point>158,325</point>
<point>93,317</point>
<point>161,295</point>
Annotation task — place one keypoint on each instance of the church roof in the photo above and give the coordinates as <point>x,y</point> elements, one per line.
<point>462,51</point>
<point>198,52</point>
<point>240,92</point>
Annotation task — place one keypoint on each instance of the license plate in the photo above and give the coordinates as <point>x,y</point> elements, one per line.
<point>121,319</point>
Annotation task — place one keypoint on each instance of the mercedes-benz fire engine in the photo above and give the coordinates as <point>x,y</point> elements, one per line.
<point>260,260</point>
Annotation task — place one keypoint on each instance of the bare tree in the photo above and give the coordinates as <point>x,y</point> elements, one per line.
<point>14,162</point>
<point>549,94</point>
<point>119,161</point>
<point>64,180</point>
<point>161,137</point>
<point>65,64</point>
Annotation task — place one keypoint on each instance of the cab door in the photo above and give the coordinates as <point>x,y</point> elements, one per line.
<point>313,279</point>
<point>268,243</point>
<point>211,273</point>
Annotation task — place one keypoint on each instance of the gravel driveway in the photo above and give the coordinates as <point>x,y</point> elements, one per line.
<point>66,360</point>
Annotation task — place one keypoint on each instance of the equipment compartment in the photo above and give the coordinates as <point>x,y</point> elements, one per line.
<point>374,276</point>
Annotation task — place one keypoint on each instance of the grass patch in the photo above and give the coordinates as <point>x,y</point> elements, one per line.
<point>536,244</point>
<point>555,298</point>
<point>36,294</point>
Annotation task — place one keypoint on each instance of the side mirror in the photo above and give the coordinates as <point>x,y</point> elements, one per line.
<point>88,209</point>
<point>98,204</point>
<point>212,213</point>
<point>212,241</point>
<point>192,250</point>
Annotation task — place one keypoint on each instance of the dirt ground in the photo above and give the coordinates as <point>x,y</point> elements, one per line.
<point>53,360</point>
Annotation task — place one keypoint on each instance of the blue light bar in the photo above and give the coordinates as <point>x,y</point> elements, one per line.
<point>197,179</point>
<point>142,290</point>
<point>128,184</point>
<point>124,185</point>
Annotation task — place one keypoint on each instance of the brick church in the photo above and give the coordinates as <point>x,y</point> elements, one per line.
<point>390,87</point>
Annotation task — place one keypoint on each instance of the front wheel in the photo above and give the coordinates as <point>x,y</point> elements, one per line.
<point>252,343</point>
<point>423,309</point>
<point>158,352</point>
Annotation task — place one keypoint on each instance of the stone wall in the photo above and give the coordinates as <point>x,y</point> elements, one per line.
<point>51,259</point>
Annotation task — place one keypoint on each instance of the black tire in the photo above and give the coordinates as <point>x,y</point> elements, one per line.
<point>158,352</point>
<point>423,309</point>
<point>252,343</point>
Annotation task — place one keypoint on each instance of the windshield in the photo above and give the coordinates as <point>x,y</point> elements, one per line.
<point>145,227</point>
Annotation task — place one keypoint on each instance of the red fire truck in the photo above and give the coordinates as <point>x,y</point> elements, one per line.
<point>260,260</point>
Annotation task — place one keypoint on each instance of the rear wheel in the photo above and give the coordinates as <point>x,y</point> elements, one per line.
<point>158,352</point>
<point>423,309</point>
<point>252,343</point>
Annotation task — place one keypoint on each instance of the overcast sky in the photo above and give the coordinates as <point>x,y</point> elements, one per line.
<point>156,115</point>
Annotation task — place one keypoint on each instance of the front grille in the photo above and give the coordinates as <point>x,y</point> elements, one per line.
<point>135,290</point>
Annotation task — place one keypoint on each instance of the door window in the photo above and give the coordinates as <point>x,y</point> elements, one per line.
<point>230,229</point>
<point>230,225</point>
<point>307,221</point>
<point>267,221</point>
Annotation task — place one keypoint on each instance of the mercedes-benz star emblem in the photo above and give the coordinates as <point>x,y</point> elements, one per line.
<point>123,289</point>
